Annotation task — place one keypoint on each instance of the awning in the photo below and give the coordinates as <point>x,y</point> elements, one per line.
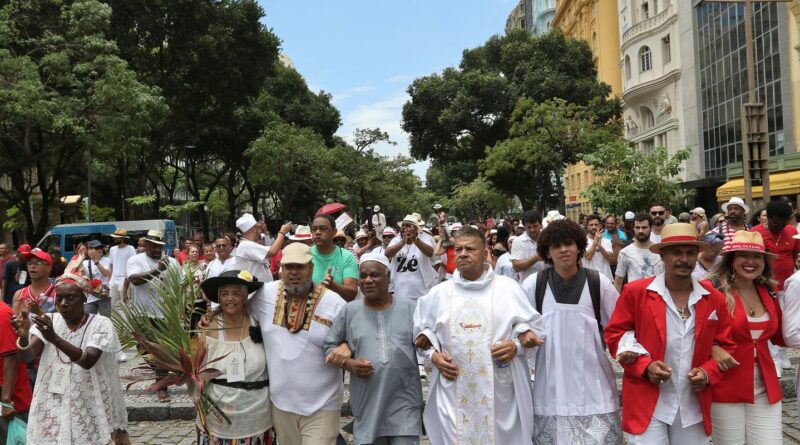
<point>783,183</point>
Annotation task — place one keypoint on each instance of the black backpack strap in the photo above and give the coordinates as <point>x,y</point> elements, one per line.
<point>771,291</point>
<point>542,277</point>
<point>593,278</point>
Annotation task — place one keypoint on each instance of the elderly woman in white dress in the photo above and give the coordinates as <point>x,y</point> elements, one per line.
<point>78,396</point>
<point>242,391</point>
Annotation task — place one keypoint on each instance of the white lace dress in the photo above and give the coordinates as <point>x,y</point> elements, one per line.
<point>92,405</point>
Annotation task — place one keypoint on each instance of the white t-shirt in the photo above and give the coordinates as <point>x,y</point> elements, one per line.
<point>252,257</point>
<point>146,295</point>
<point>598,261</point>
<point>638,263</point>
<point>412,272</point>
<point>300,381</point>
<point>216,267</point>
<point>119,261</point>
<point>504,267</point>
<point>522,249</point>
<point>654,238</point>
<point>95,274</point>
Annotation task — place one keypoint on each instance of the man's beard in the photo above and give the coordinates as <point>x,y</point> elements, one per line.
<point>658,222</point>
<point>735,219</point>
<point>299,290</point>
<point>642,237</point>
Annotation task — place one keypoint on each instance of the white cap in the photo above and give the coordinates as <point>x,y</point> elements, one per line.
<point>736,201</point>
<point>389,231</point>
<point>377,257</point>
<point>245,222</point>
<point>376,209</point>
<point>361,234</point>
<point>437,206</point>
<point>629,216</point>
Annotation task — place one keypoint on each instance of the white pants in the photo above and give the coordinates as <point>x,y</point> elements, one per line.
<point>659,433</point>
<point>751,423</point>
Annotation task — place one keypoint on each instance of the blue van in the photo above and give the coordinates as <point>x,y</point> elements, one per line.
<point>67,236</point>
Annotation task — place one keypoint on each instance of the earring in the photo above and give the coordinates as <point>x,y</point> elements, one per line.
<point>732,278</point>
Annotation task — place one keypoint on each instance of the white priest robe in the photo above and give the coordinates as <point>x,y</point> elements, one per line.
<point>487,403</point>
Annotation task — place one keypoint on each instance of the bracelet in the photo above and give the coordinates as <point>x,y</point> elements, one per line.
<point>80,359</point>
<point>23,348</point>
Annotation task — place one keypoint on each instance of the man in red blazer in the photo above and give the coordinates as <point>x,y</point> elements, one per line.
<point>661,332</point>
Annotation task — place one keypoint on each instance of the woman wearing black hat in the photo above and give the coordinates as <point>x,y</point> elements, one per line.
<point>242,391</point>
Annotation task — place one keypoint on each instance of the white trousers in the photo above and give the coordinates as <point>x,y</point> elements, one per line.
<point>748,423</point>
<point>660,433</point>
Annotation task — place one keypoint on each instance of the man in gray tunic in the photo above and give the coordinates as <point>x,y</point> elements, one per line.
<point>385,389</point>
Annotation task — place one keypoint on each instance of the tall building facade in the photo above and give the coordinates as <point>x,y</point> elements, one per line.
<point>543,13</point>
<point>722,89</point>
<point>597,22</point>
<point>519,17</point>
<point>657,90</point>
<point>534,16</point>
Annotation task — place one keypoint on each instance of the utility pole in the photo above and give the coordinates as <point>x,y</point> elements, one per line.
<point>755,141</point>
<point>89,192</point>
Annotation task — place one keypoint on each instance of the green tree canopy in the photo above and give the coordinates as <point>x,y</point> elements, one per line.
<point>479,199</point>
<point>63,91</point>
<point>629,179</point>
<point>543,139</point>
<point>456,115</point>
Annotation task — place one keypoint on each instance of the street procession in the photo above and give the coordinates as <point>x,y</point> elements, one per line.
<point>505,222</point>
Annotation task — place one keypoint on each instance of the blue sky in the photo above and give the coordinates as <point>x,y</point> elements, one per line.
<point>366,53</point>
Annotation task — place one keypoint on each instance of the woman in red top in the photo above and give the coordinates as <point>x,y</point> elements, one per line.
<point>747,401</point>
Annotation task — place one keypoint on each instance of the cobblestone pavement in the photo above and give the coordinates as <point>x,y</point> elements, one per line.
<point>154,428</point>
<point>181,432</point>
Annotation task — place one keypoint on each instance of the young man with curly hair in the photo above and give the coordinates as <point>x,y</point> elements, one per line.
<point>575,398</point>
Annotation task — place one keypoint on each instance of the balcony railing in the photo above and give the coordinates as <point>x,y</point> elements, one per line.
<point>647,24</point>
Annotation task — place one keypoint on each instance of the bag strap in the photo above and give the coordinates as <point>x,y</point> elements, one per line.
<point>542,277</point>
<point>593,278</point>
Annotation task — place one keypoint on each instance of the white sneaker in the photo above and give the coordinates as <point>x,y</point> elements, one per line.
<point>422,373</point>
<point>121,357</point>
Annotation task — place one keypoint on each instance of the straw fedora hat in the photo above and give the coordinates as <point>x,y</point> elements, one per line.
<point>744,241</point>
<point>411,219</point>
<point>678,234</point>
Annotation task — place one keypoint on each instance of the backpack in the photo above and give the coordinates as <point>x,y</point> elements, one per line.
<point>592,277</point>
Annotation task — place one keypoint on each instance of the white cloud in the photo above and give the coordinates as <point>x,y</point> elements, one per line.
<point>341,96</point>
<point>385,114</point>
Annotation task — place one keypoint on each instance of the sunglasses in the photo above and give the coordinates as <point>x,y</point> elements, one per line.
<point>388,236</point>
<point>657,213</point>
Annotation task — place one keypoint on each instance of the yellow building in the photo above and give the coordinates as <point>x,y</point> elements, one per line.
<point>597,22</point>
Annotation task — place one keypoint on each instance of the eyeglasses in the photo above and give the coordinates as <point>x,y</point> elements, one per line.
<point>658,213</point>
<point>388,236</point>
<point>220,246</point>
<point>37,263</point>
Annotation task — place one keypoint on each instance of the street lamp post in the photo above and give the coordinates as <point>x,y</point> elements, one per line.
<point>755,141</point>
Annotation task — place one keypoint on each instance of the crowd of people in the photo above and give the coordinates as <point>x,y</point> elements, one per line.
<point>514,323</point>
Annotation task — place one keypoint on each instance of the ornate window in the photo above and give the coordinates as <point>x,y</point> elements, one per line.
<point>645,59</point>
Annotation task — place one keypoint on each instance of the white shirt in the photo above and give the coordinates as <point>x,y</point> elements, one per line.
<point>412,272</point>
<point>598,261</point>
<point>252,257</point>
<point>504,267</point>
<point>676,393</point>
<point>146,295</point>
<point>90,270</point>
<point>216,267</point>
<point>119,261</point>
<point>636,263</point>
<point>379,222</point>
<point>300,381</point>
<point>655,238</point>
<point>790,304</point>
<point>522,249</point>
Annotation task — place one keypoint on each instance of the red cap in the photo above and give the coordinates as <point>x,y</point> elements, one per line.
<point>40,254</point>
